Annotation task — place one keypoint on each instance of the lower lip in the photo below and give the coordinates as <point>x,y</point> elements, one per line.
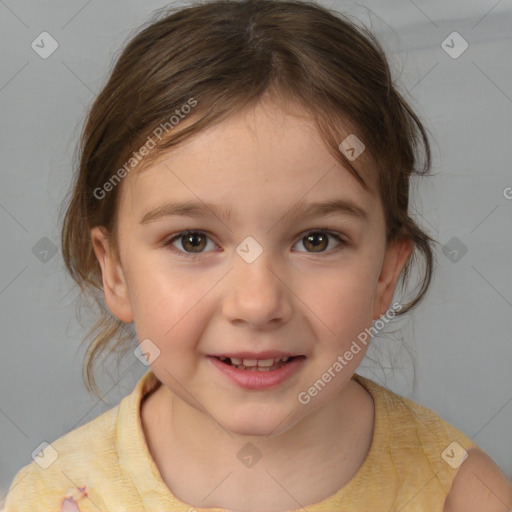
<point>258,379</point>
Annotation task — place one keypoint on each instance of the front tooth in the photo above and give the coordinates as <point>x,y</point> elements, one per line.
<point>236,361</point>
<point>250,362</point>
<point>266,362</point>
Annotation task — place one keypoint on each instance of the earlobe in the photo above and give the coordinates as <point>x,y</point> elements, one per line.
<point>395,258</point>
<point>115,288</point>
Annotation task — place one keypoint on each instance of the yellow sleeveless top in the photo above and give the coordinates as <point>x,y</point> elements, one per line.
<point>105,465</point>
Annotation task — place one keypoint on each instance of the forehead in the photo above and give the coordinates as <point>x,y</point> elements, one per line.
<point>267,154</point>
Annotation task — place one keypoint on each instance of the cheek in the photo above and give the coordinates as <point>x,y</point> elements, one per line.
<point>164,302</point>
<point>342,300</point>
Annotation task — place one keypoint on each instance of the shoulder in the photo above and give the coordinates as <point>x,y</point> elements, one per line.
<point>431,444</point>
<point>67,466</point>
<point>403,418</point>
<point>479,486</point>
<point>433,434</point>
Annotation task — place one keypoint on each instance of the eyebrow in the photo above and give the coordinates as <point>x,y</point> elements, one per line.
<point>300,210</point>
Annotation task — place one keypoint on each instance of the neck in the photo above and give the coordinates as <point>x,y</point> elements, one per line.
<point>309,461</point>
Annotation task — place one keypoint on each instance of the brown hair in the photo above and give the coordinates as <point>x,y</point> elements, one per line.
<point>225,55</point>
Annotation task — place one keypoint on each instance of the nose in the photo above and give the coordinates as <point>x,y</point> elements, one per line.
<point>257,295</point>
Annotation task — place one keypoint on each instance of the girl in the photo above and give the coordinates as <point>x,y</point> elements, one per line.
<point>242,200</point>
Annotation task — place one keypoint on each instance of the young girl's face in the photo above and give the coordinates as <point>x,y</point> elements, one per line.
<point>263,272</point>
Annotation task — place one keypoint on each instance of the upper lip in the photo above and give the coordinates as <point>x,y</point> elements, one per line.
<point>267,354</point>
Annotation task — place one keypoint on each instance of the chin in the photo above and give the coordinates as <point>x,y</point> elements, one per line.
<point>249,430</point>
<point>258,425</point>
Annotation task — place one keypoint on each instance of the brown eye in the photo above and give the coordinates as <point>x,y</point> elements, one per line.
<point>195,241</point>
<point>318,241</point>
<point>190,242</point>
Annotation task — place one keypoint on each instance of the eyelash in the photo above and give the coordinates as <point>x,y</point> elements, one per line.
<point>177,236</point>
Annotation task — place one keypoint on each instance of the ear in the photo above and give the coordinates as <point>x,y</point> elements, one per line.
<point>395,258</point>
<point>115,288</point>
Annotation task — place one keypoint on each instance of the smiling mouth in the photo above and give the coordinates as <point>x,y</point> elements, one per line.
<point>257,365</point>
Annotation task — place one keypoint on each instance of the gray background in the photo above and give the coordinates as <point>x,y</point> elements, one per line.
<point>458,340</point>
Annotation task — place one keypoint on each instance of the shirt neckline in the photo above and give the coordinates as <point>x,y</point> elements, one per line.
<point>137,462</point>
